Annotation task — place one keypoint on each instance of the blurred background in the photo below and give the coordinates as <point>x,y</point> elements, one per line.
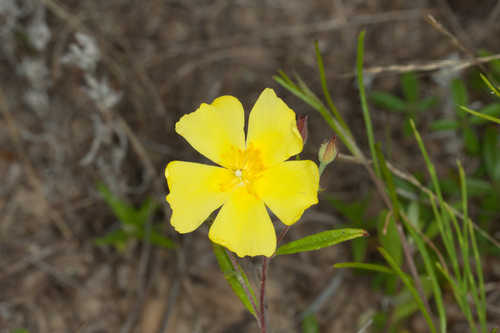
<point>89,95</point>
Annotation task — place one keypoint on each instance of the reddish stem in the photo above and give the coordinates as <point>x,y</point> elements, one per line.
<point>262,313</point>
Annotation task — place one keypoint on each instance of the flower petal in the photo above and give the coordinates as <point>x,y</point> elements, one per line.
<point>289,188</point>
<point>215,130</point>
<point>272,129</point>
<point>244,226</point>
<point>196,190</point>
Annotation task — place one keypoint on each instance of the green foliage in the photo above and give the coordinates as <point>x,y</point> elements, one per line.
<point>20,330</point>
<point>446,255</point>
<point>236,278</point>
<point>355,213</point>
<point>134,223</point>
<point>410,105</point>
<point>310,324</point>
<point>320,240</point>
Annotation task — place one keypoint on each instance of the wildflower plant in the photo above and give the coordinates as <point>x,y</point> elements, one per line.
<point>253,173</point>
<point>455,229</point>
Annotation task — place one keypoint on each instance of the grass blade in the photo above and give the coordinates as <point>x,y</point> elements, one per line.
<point>481,115</point>
<point>364,104</point>
<point>408,282</point>
<point>429,267</point>
<point>361,265</point>
<point>324,86</point>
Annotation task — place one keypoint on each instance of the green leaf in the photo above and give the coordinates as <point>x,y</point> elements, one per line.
<point>389,182</point>
<point>20,330</point>
<point>369,267</point>
<point>410,85</point>
<point>354,211</point>
<point>478,187</point>
<point>236,277</point>
<point>491,152</point>
<point>390,239</point>
<point>122,210</point>
<point>310,324</point>
<point>388,101</point>
<point>459,92</point>
<point>445,125</point>
<point>427,103</point>
<point>118,238</point>
<point>320,240</point>
<point>492,110</point>
<point>155,237</point>
<point>471,141</point>
<point>359,249</point>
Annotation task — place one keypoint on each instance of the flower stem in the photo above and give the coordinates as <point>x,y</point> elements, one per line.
<point>262,312</point>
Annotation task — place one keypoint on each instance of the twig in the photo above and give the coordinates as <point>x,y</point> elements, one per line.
<point>454,65</point>
<point>439,27</point>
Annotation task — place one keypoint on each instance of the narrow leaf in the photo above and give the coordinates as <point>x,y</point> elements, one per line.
<point>459,93</point>
<point>491,153</point>
<point>388,101</point>
<point>369,267</point>
<point>234,277</point>
<point>310,324</point>
<point>445,125</point>
<point>471,140</point>
<point>320,240</point>
<point>427,103</point>
<point>410,85</point>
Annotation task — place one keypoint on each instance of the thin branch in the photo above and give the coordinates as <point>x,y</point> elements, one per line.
<point>453,65</point>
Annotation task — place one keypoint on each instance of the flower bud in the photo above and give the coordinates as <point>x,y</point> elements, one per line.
<point>327,151</point>
<point>302,127</point>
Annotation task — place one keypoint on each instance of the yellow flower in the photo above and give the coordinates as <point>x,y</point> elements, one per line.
<point>254,173</point>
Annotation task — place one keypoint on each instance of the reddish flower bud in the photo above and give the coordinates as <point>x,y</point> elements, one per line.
<point>327,151</point>
<point>302,127</point>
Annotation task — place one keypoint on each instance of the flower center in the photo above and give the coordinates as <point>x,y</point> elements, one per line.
<point>246,168</point>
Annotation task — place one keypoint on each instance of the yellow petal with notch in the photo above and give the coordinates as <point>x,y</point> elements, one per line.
<point>289,188</point>
<point>244,226</point>
<point>272,129</point>
<point>215,130</point>
<point>196,190</point>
